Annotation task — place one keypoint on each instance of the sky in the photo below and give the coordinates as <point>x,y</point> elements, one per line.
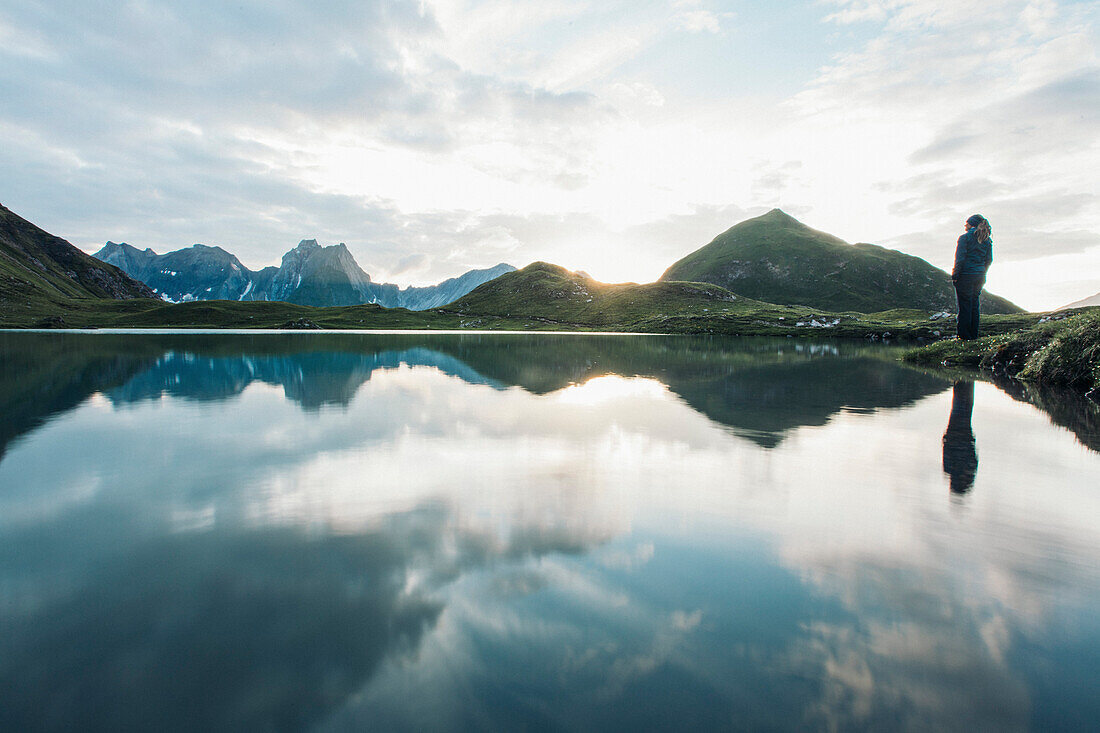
<point>610,136</point>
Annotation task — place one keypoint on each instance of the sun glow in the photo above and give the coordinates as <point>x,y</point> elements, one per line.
<point>610,388</point>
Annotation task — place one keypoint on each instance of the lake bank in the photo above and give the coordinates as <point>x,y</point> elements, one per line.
<point>1061,349</point>
<point>745,318</point>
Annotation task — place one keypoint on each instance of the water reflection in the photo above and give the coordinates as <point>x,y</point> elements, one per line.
<point>760,389</point>
<point>1064,407</point>
<point>417,532</point>
<point>960,454</point>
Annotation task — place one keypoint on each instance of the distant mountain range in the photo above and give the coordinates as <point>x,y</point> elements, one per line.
<point>1084,302</point>
<point>36,266</point>
<point>778,259</point>
<point>771,268</point>
<point>308,275</point>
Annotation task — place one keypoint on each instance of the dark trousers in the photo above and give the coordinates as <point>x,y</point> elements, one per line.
<point>968,290</point>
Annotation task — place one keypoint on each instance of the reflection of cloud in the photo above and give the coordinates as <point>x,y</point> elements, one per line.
<point>164,637</point>
<point>518,583</point>
<point>933,675</point>
<point>619,559</point>
<point>932,618</point>
<point>299,623</point>
<point>686,621</point>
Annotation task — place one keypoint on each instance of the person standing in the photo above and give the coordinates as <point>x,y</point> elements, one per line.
<point>973,256</point>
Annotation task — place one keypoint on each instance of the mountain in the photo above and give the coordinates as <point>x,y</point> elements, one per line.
<point>1083,303</point>
<point>37,265</point>
<point>196,273</point>
<point>545,292</point>
<point>321,276</point>
<point>309,274</point>
<point>450,290</point>
<point>778,259</point>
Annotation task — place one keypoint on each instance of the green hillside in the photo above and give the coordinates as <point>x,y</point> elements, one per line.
<point>549,293</point>
<point>778,259</point>
<point>37,267</point>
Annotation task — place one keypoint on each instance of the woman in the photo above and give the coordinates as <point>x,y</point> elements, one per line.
<point>973,256</point>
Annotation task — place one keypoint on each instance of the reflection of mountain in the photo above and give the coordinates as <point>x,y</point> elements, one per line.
<point>43,375</point>
<point>761,389</point>
<point>758,387</point>
<point>311,379</point>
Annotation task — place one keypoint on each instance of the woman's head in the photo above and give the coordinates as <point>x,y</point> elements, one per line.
<point>981,225</point>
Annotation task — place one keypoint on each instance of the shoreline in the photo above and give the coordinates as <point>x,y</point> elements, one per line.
<point>1063,350</point>
<point>1058,348</point>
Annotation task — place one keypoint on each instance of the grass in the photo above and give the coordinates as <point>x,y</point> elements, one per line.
<point>1063,351</point>
<point>144,313</point>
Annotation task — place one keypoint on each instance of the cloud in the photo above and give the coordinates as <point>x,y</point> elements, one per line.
<point>411,263</point>
<point>991,108</point>
<point>700,21</point>
<point>169,125</point>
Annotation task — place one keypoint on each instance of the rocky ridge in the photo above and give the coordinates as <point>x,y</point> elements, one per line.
<point>309,274</point>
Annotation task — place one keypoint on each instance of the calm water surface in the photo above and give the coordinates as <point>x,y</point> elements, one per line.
<point>412,532</point>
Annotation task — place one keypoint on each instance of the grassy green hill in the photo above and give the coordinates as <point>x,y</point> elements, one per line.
<point>778,259</point>
<point>551,294</point>
<point>36,268</point>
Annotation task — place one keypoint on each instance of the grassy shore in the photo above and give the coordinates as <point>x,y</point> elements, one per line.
<point>665,309</point>
<point>1058,349</point>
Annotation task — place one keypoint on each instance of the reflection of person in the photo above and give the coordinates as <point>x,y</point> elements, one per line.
<point>973,256</point>
<point>960,456</point>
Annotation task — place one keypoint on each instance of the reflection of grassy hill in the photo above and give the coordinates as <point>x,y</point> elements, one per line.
<point>778,259</point>
<point>758,388</point>
<point>43,375</point>
<point>1064,407</point>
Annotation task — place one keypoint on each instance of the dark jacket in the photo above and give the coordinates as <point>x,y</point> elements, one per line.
<point>971,256</point>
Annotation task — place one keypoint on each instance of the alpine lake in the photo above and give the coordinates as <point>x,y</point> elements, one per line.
<point>256,531</point>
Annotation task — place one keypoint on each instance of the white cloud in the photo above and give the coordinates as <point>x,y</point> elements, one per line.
<point>996,106</point>
<point>700,21</point>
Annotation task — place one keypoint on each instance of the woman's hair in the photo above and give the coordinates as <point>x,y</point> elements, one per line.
<point>982,230</point>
